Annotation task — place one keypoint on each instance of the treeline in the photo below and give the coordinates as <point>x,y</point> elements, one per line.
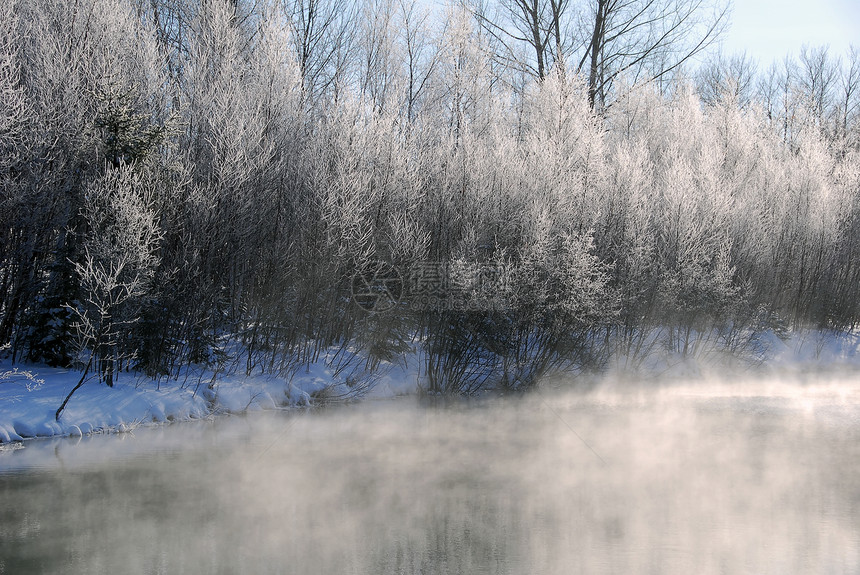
<point>198,182</point>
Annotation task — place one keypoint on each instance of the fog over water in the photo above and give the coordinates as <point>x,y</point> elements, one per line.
<point>732,477</point>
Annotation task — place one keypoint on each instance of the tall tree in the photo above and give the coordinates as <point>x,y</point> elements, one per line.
<point>646,39</point>
<point>323,35</point>
<point>541,26</point>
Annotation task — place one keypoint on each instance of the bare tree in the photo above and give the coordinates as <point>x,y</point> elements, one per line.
<point>419,53</point>
<point>376,46</point>
<point>542,26</point>
<point>849,99</point>
<point>778,94</point>
<point>818,75</point>
<point>733,77</point>
<point>645,39</point>
<point>323,34</point>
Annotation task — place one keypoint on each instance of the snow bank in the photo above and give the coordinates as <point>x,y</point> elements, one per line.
<point>28,404</point>
<point>28,410</point>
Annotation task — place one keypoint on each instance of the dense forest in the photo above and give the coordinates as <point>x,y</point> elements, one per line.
<point>531,185</point>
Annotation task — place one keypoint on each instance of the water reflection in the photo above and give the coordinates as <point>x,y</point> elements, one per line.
<point>723,479</point>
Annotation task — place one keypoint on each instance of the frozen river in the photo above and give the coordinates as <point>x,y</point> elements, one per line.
<point>743,478</point>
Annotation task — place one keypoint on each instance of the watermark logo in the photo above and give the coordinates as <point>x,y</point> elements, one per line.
<point>377,287</point>
<point>429,285</point>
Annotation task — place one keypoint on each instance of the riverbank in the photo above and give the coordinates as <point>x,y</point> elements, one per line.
<point>31,394</point>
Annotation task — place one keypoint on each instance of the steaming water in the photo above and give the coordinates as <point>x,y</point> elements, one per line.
<point>723,479</point>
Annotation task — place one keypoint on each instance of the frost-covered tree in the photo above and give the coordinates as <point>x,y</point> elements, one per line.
<point>119,260</point>
<point>118,263</point>
<point>66,54</point>
<point>272,149</point>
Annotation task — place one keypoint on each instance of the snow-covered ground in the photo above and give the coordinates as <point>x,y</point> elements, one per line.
<point>30,395</point>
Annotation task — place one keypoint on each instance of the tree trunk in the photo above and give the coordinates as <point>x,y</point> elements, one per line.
<point>74,389</point>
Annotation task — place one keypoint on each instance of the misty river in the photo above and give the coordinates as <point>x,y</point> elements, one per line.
<point>702,478</point>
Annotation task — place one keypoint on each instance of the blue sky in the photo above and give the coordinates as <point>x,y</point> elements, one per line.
<point>770,29</point>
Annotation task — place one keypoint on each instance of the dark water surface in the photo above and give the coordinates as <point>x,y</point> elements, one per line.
<point>700,479</point>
